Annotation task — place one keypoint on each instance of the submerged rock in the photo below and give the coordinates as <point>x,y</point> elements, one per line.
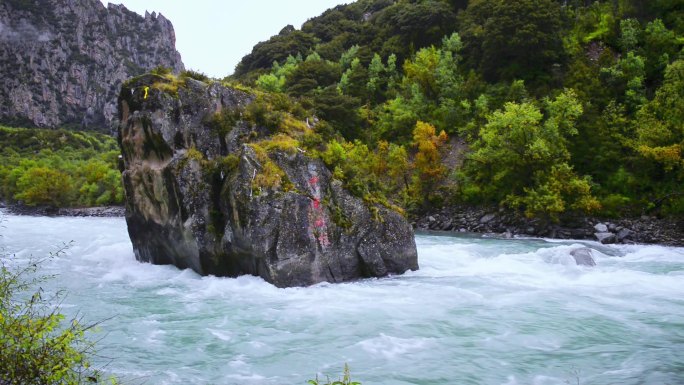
<point>583,257</point>
<point>202,196</point>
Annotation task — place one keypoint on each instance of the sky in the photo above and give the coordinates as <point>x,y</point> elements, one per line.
<point>213,35</point>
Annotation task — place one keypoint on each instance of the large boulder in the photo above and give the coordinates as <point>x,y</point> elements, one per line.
<point>205,196</point>
<point>583,256</point>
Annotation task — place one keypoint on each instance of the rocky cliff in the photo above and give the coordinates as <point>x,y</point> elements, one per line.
<point>222,199</point>
<point>62,62</point>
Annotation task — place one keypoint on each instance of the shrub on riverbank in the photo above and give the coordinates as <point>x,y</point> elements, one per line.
<point>59,168</point>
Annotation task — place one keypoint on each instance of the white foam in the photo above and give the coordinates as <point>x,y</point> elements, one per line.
<point>155,336</point>
<point>394,347</point>
<point>221,334</point>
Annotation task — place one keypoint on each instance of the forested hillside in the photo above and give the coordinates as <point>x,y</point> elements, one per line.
<point>58,168</point>
<point>549,107</point>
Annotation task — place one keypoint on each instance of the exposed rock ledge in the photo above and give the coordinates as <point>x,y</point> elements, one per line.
<point>192,199</point>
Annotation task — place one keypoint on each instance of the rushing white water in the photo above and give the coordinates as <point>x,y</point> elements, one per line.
<point>479,311</point>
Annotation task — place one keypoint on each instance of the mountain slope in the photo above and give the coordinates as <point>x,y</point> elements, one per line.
<point>63,61</point>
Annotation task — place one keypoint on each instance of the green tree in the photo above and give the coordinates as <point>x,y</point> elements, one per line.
<point>354,80</point>
<point>671,11</point>
<point>627,79</point>
<point>510,40</point>
<point>271,83</point>
<point>409,25</point>
<point>630,34</point>
<point>275,80</point>
<point>312,75</point>
<point>348,56</point>
<point>376,79</point>
<point>44,186</point>
<point>422,71</point>
<point>435,70</point>
<point>392,73</point>
<point>340,110</point>
<point>521,160</point>
<point>660,48</point>
<point>289,42</point>
<point>660,123</point>
<point>398,169</point>
<point>397,118</point>
<point>101,185</point>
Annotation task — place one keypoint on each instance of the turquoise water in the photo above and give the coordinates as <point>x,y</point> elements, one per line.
<point>479,311</point>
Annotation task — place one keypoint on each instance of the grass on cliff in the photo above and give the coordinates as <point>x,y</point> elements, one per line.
<point>59,168</point>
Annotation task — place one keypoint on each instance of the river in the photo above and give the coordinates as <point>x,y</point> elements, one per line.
<point>479,311</point>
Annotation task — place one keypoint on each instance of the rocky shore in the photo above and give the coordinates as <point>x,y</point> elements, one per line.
<point>644,229</point>
<point>107,211</point>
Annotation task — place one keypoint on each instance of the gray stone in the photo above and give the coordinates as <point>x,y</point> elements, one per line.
<point>624,234</point>
<point>605,238</point>
<point>180,210</point>
<point>487,218</point>
<point>583,256</point>
<point>577,233</point>
<point>601,228</point>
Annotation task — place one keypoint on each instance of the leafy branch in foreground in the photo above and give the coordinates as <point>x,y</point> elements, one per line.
<point>346,379</point>
<point>38,344</point>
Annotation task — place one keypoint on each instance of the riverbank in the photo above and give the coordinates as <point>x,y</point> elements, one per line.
<point>508,224</point>
<point>484,220</point>
<point>104,211</point>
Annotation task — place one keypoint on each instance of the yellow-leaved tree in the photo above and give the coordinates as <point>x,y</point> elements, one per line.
<point>429,170</point>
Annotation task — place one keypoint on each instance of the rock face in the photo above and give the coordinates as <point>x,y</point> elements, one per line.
<point>62,62</point>
<point>195,197</point>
